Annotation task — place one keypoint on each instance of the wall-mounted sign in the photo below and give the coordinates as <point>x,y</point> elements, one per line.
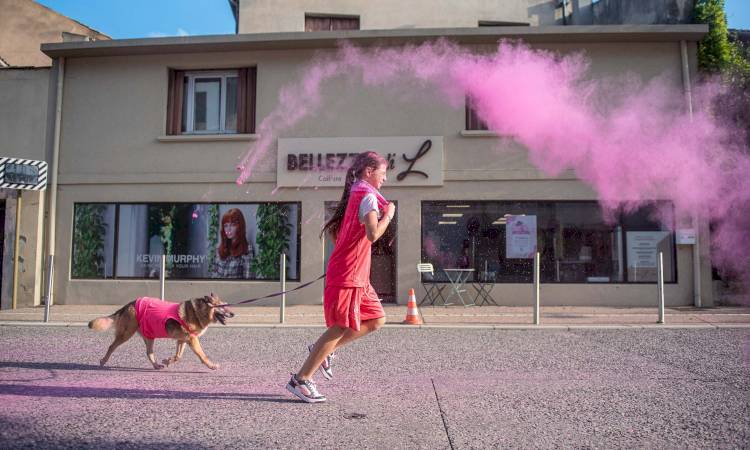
<point>323,162</point>
<point>685,236</point>
<point>520,237</point>
<point>643,247</point>
<point>16,173</point>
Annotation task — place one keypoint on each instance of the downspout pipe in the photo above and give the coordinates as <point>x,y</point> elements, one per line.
<point>686,86</point>
<point>52,191</point>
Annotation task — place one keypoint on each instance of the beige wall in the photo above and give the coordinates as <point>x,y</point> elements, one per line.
<point>111,152</point>
<point>121,144</point>
<point>24,96</point>
<point>265,16</point>
<point>25,25</point>
<point>23,112</point>
<point>29,283</point>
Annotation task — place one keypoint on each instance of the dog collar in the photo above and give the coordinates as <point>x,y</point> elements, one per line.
<point>187,329</point>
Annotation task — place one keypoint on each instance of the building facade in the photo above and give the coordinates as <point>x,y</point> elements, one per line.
<point>264,16</point>
<point>27,107</point>
<point>151,131</point>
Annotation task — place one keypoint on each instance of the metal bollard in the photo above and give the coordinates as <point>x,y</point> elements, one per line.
<point>536,288</point>
<point>660,285</point>
<point>282,275</point>
<point>16,246</point>
<point>50,277</point>
<point>162,276</point>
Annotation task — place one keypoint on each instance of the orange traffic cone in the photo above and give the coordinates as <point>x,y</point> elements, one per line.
<point>412,313</point>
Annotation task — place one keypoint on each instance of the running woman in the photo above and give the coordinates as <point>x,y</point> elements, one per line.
<point>351,306</point>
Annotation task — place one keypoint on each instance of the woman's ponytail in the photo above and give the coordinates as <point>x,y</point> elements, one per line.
<point>360,163</point>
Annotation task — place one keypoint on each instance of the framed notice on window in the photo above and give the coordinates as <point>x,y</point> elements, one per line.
<point>520,237</point>
<point>642,251</point>
<point>643,247</point>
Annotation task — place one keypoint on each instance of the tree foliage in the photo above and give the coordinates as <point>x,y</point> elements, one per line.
<point>729,59</point>
<point>714,50</point>
<point>89,230</point>
<point>272,239</point>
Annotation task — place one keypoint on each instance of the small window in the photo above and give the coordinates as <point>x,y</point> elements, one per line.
<point>322,22</point>
<point>501,23</point>
<point>473,122</point>
<point>211,102</point>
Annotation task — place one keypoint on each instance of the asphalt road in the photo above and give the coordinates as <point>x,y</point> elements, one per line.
<point>400,388</point>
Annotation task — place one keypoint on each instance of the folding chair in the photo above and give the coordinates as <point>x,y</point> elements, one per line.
<point>433,290</point>
<point>485,283</point>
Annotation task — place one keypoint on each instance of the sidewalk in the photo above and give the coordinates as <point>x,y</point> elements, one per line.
<point>453,316</point>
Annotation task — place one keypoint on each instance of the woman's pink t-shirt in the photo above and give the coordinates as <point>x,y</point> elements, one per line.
<point>349,265</point>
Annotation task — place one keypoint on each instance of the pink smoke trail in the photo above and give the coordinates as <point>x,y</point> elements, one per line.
<point>638,146</point>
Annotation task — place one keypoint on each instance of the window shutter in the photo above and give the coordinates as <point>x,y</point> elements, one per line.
<point>246,100</point>
<point>329,23</point>
<point>242,100</point>
<point>473,122</point>
<point>174,101</point>
<point>313,23</point>
<point>250,89</point>
<point>345,23</point>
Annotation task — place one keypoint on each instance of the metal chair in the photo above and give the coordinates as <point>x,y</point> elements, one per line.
<point>484,284</point>
<point>433,290</point>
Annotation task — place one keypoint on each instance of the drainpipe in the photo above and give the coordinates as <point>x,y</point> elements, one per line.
<point>53,176</point>
<point>697,301</point>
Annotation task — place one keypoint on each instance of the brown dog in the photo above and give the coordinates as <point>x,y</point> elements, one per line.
<point>154,319</point>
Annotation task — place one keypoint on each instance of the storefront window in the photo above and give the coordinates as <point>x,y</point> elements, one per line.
<point>93,241</point>
<point>200,240</point>
<point>575,243</point>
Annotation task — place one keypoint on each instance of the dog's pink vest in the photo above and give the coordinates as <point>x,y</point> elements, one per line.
<point>152,315</point>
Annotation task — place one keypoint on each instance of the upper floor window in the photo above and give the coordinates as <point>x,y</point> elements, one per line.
<point>501,23</point>
<point>322,22</point>
<point>211,101</point>
<point>473,122</point>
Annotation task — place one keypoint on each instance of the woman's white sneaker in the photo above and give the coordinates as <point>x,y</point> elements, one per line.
<point>305,390</point>
<point>325,367</point>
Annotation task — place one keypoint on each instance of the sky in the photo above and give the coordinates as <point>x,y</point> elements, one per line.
<point>738,13</point>
<point>124,19</point>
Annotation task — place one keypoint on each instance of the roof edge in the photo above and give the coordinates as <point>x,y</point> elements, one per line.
<point>323,39</point>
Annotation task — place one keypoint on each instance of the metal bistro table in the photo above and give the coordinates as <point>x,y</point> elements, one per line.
<point>457,278</point>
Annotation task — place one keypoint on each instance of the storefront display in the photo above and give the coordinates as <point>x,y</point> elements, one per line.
<point>200,241</point>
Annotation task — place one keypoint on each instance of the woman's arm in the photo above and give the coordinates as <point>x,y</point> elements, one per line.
<point>374,227</point>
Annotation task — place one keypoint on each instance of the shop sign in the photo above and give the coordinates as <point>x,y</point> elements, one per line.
<point>323,162</point>
<point>16,173</point>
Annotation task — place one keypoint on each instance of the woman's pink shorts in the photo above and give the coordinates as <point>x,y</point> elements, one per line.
<point>347,307</point>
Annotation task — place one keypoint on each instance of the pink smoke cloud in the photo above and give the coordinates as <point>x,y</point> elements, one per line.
<point>638,146</point>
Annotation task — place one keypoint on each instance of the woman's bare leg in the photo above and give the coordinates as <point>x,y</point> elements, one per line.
<point>365,328</point>
<point>332,339</point>
<point>324,346</point>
